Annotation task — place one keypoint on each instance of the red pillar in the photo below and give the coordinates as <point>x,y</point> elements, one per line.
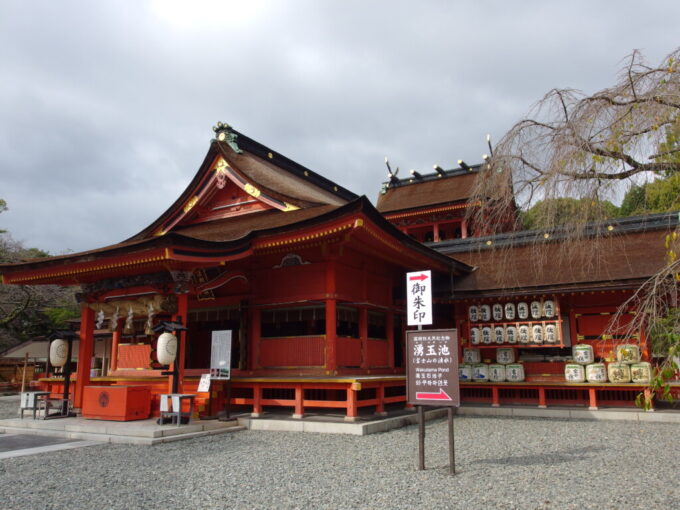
<point>495,400</point>
<point>541,398</point>
<point>115,339</point>
<point>331,318</point>
<point>435,233</point>
<point>390,338</point>
<point>352,408</point>
<point>299,402</point>
<point>85,352</point>
<point>592,398</point>
<point>463,229</point>
<point>363,336</point>
<point>182,311</point>
<point>255,332</point>
<point>257,401</point>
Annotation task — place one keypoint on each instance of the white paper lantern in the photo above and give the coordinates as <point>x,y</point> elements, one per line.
<point>549,308</point>
<point>475,335</point>
<point>485,313</point>
<point>473,313</point>
<point>523,334</point>
<point>499,334</point>
<point>486,335</point>
<point>550,334</point>
<point>511,334</point>
<point>167,348</point>
<point>536,309</point>
<point>522,310</point>
<point>537,334</point>
<point>497,311</point>
<point>510,311</point>
<point>58,352</point>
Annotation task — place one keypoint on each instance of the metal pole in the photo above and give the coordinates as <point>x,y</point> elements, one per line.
<point>421,438</point>
<point>452,454</point>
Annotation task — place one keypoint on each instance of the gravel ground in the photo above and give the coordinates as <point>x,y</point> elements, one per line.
<point>501,463</point>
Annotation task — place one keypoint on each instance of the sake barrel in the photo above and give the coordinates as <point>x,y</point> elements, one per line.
<point>505,355</point>
<point>58,352</point>
<point>641,373</point>
<point>464,372</point>
<point>583,354</point>
<point>618,372</point>
<point>514,372</point>
<point>475,336</point>
<point>167,348</point>
<point>480,372</point>
<point>496,373</point>
<point>596,372</point>
<point>472,356</point>
<point>628,353</point>
<point>574,373</point>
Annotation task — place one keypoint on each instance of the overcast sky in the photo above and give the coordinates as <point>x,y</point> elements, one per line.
<point>106,108</point>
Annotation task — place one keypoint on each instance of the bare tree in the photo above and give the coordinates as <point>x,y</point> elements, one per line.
<point>591,148</point>
<point>586,147</point>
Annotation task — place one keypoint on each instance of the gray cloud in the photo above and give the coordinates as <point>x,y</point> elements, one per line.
<point>106,108</point>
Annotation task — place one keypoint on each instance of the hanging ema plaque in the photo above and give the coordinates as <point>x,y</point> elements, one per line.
<point>432,367</point>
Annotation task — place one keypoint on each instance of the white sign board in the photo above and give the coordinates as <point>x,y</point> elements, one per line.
<point>419,298</point>
<point>220,355</point>
<point>204,383</point>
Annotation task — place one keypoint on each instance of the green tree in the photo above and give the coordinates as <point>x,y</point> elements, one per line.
<point>557,212</point>
<point>29,311</point>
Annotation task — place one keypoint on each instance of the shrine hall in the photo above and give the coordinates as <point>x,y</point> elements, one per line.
<point>308,278</point>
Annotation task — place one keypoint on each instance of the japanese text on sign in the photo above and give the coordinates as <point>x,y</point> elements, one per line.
<point>419,298</point>
<point>432,363</point>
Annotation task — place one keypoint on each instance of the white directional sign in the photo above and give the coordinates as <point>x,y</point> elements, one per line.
<point>419,298</point>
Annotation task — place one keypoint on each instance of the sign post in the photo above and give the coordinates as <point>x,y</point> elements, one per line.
<point>432,378</point>
<point>431,360</point>
<point>220,363</point>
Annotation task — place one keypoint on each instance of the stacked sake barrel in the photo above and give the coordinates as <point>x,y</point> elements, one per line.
<point>584,367</point>
<point>505,368</point>
<point>627,368</point>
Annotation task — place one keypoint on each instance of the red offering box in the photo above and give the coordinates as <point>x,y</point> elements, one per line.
<point>117,403</point>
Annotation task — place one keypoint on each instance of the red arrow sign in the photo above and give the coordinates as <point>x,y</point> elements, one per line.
<point>442,395</point>
<point>420,277</point>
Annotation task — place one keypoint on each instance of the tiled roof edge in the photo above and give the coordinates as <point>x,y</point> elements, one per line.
<point>627,225</point>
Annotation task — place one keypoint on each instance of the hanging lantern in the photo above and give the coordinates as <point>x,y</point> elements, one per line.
<point>58,352</point>
<point>167,348</point>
